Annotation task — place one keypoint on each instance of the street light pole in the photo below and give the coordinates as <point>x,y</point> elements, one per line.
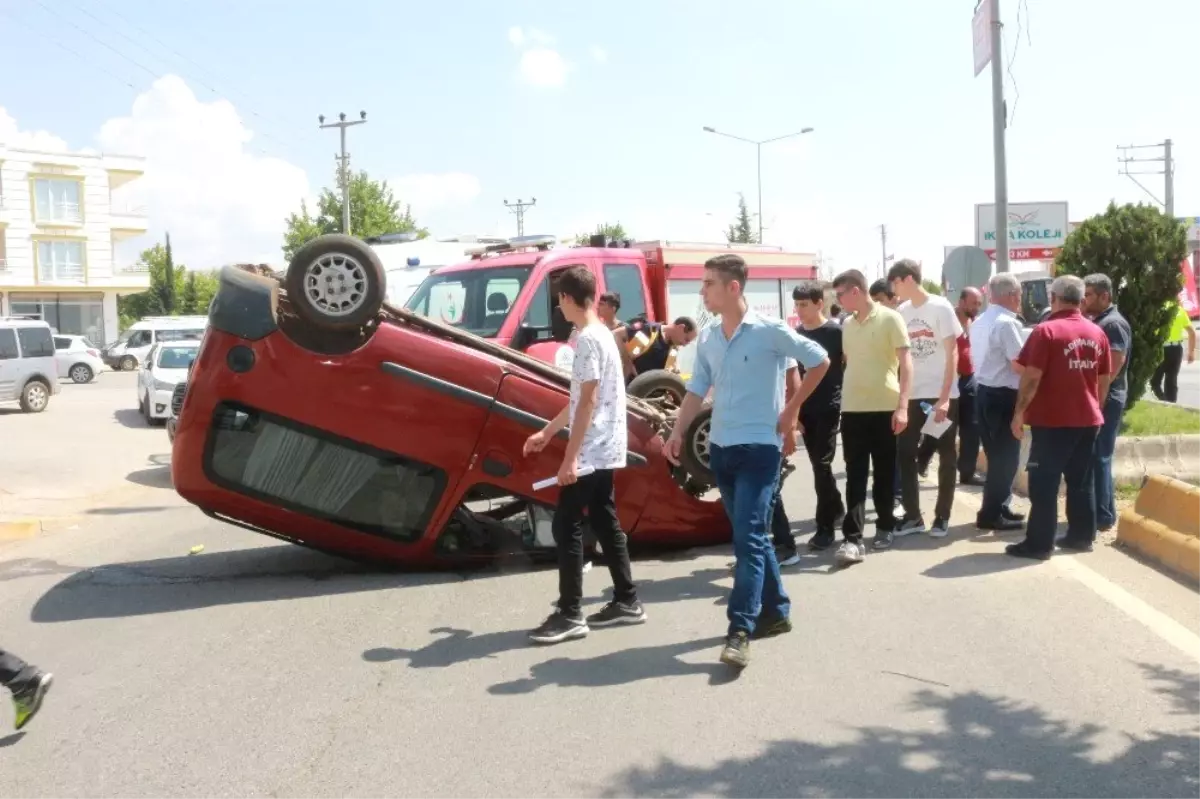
<point>758,148</point>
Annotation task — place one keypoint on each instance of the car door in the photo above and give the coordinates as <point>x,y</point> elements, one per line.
<point>145,373</point>
<point>62,354</point>
<point>10,358</point>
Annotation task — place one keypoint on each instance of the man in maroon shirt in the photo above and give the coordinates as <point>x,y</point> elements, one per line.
<point>970,300</point>
<point>1063,387</point>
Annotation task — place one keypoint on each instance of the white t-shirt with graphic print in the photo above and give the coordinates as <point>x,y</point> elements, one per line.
<point>597,358</point>
<point>928,328</point>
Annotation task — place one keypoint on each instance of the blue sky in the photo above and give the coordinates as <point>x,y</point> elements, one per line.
<point>597,110</point>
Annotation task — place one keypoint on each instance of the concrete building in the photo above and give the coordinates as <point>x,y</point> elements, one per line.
<point>62,217</point>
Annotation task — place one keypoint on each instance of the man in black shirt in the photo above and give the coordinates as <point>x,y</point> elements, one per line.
<point>821,411</point>
<point>1098,304</point>
<point>653,344</point>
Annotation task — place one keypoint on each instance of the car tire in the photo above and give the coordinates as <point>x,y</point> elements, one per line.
<point>695,453</point>
<point>35,396</point>
<point>81,373</point>
<point>127,363</point>
<point>336,282</point>
<point>658,384</point>
<point>146,412</point>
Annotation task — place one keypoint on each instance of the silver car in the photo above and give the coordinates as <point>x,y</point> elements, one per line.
<point>28,373</point>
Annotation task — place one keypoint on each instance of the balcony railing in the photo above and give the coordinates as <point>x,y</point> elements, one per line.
<point>126,209</point>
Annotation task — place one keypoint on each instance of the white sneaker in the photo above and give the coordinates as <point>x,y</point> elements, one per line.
<point>940,528</point>
<point>850,553</point>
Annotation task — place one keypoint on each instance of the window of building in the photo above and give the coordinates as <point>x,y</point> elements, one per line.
<point>70,314</point>
<point>60,262</point>
<point>58,200</point>
<point>316,473</point>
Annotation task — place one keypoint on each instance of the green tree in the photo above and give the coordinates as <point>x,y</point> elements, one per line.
<point>1140,249</point>
<point>932,286</point>
<point>742,231</point>
<point>610,230</point>
<point>196,291</point>
<point>374,210</point>
<point>160,298</point>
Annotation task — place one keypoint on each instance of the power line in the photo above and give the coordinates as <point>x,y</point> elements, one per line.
<point>75,53</point>
<point>98,40</point>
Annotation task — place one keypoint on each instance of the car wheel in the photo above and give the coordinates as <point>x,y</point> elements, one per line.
<point>128,363</point>
<point>696,452</point>
<point>658,386</point>
<point>146,411</point>
<point>81,373</point>
<point>336,282</point>
<point>35,397</point>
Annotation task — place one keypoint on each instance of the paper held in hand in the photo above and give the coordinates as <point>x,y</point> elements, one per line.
<point>541,485</point>
<point>931,428</point>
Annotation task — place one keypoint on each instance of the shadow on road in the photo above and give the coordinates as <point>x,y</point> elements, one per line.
<point>10,740</point>
<point>130,417</point>
<point>980,746</point>
<point>126,511</point>
<point>157,475</point>
<point>455,646</point>
<point>978,564</point>
<point>193,582</point>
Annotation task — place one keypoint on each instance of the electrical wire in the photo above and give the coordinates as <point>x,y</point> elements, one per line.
<point>98,40</point>
<point>75,53</point>
<point>1022,26</point>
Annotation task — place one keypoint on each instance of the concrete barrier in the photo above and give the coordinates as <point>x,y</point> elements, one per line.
<point>1164,525</point>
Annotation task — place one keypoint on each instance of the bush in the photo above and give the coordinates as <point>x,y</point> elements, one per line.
<point>1140,249</point>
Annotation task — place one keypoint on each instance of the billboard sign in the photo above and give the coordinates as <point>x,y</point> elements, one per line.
<point>1036,231</point>
<point>981,35</point>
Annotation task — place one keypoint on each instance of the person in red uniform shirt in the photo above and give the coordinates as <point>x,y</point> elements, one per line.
<point>1065,381</point>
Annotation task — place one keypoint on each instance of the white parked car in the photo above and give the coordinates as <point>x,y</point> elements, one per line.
<point>28,374</point>
<point>77,358</point>
<point>165,366</point>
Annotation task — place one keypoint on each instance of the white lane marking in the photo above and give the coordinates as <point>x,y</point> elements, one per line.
<point>1157,622</point>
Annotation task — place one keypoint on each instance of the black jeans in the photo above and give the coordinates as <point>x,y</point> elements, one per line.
<point>592,493</point>
<point>995,407</point>
<point>1059,452</point>
<point>968,432</point>
<point>820,441</point>
<point>14,671</point>
<point>1165,383</point>
<point>947,462</point>
<point>868,446</point>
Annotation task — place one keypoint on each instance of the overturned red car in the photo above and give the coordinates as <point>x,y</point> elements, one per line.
<point>317,414</point>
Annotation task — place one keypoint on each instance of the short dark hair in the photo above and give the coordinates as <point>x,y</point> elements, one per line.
<point>905,267</point>
<point>611,298</point>
<point>808,290</point>
<point>962,295</point>
<point>851,278</point>
<point>835,310</point>
<point>730,267</point>
<point>882,286</point>
<point>687,323</point>
<point>577,283</point>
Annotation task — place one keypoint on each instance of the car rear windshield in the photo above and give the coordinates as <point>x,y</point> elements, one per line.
<point>319,474</point>
<point>476,300</point>
<point>176,357</point>
<point>189,334</point>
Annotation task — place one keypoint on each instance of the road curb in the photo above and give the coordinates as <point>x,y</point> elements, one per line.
<point>20,529</point>
<point>1164,525</point>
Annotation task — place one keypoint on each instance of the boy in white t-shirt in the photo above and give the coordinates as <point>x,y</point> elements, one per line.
<point>933,331</point>
<point>599,441</point>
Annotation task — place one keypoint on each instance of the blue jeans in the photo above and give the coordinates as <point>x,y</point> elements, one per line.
<point>1106,442</point>
<point>994,411</point>
<point>746,476</point>
<point>1055,454</point>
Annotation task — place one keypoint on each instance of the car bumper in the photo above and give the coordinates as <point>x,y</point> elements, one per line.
<point>160,403</point>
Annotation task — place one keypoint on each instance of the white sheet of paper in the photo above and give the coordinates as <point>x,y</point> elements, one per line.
<point>541,485</point>
<point>935,429</point>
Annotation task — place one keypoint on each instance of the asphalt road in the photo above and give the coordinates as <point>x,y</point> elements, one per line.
<point>941,668</point>
<point>1189,384</point>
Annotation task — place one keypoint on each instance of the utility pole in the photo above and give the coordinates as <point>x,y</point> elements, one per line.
<point>999,123</point>
<point>518,208</point>
<point>883,258</point>
<point>344,161</point>
<point>1168,171</point>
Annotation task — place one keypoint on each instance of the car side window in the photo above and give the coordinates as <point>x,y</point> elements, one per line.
<point>36,342</point>
<point>139,338</point>
<point>626,280</point>
<point>541,304</point>
<point>8,344</point>
<point>61,343</point>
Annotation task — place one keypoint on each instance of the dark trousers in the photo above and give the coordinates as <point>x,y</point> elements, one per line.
<point>747,476</point>
<point>1059,452</point>
<point>869,447</point>
<point>592,493</point>
<point>995,407</point>
<point>968,432</point>
<point>14,671</point>
<point>1165,383</point>
<point>820,441</point>
<point>1106,443</point>
<point>781,526</point>
<point>947,461</point>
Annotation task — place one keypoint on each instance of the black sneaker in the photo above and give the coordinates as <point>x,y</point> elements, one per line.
<point>737,650</point>
<point>27,697</point>
<point>1012,515</point>
<point>908,526</point>
<point>940,528</point>
<point>883,539</point>
<point>771,626</point>
<point>1001,525</point>
<point>557,628</point>
<point>618,613</point>
<point>1074,544</point>
<point>823,540</point>
<point>787,556</point>
<point>1022,550</point>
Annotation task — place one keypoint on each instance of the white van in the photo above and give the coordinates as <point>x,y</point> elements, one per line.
<point>28,373</point>
<point>131,348</point>
<point>407,260</point>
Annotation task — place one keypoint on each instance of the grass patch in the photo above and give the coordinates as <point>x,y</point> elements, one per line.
<point>1126,493</point>
<point>1155,419</point>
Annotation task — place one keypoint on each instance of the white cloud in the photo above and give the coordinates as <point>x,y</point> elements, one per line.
<point>543,67</point>
<point>599,54</point>
<point>432,191</point>
<point>30,139</point>
<point>219,201</point>
<point>516,36</point>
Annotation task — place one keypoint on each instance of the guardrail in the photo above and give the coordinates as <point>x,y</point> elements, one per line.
<point>1164,525</point>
